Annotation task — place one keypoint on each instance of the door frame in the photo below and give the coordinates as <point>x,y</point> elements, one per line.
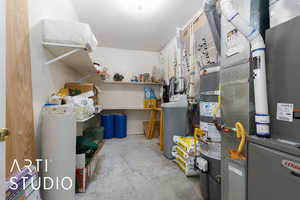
<point>2,93</point>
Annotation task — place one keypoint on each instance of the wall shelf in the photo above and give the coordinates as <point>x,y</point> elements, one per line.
<point>75,56</point>
<point>131,83</point>
<point>86,119</point>
<point>127,97</point>
<point>128,108</point>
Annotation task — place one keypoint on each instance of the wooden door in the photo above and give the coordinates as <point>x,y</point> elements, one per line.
<point>2,96</point>
<point>19,108</point>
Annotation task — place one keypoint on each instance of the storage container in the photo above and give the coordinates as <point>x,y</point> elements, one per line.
<point>120,125</point>
<point>107,122</point>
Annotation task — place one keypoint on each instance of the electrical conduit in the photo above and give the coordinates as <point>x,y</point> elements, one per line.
<point>179,67</point>
<point>262,117</point>
<point>192,72</point>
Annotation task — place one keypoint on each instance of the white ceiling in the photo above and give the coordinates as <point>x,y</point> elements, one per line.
<point>136,24</point>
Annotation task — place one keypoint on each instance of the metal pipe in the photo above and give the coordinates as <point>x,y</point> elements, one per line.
<point>63,56</point>
<point>179,65</point>
<point>241,134</point>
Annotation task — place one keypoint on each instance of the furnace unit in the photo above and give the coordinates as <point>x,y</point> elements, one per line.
<point>274,164</point>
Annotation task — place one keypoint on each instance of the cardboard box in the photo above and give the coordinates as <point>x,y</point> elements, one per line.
<point>150,103</point>
<point>81,173</point>
<point>81,180</point>
<point>83,88</point>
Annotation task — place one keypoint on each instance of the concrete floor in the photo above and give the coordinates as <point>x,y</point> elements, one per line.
<point>135,169</point>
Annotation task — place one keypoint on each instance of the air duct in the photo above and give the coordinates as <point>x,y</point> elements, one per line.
<point>262,117</point>
<point>213,18</point>
<point>209,5</point>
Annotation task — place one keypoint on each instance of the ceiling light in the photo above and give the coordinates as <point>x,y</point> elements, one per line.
<point>139,7</point>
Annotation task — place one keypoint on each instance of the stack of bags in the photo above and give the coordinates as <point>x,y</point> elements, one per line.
<point>24,185</point>
<point>184,154</point>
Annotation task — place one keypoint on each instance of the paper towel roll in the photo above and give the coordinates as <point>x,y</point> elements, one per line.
<point>58,142</point>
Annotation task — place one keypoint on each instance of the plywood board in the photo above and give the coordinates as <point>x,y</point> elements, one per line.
<point>19,113</point>
<point>198,22</point>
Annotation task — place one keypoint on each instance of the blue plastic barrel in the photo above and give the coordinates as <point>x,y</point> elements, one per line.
<point>107,122</point>
<point>120,125</point>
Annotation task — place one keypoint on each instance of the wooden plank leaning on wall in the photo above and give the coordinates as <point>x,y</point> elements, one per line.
<point>19,114</point>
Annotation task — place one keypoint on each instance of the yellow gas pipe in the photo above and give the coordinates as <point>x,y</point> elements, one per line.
<point>216,109</point>
<point>241,134</point>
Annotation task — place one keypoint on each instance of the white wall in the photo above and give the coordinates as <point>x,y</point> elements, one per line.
<point>168,56</point>
<point>127,62</point>
<point>54,9</point>
<point>47,79</point>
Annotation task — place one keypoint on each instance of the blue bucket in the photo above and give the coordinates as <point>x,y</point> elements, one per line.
<point>107,122</point>
<point>120,129</point>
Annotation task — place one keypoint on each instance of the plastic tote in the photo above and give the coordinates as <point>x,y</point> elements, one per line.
<point>107,122</point>
<point>120,122</point>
